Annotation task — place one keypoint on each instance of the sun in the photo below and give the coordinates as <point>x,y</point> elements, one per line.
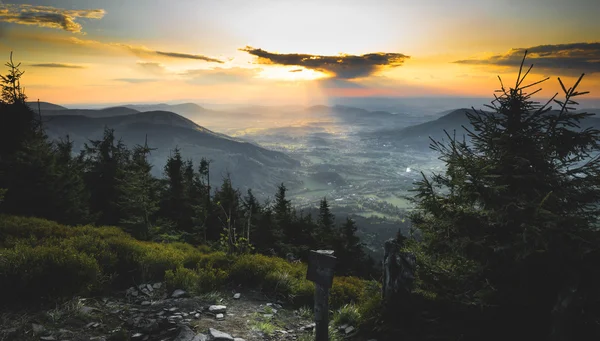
<point>291,73</point>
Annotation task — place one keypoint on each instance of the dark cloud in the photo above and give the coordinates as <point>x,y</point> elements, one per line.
<point>569,58</point>
<point>58,66</point>
<point>296,70</point>
<point>343,66</point>
<point>47,16</point>
<point>146,52</point>
<point>136,80</point>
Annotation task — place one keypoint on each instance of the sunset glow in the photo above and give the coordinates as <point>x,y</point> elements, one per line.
<point>107,52</point>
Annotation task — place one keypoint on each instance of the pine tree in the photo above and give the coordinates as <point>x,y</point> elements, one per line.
<point>513,222</point>
<point>326,223</point>
<point>137,190</point>
<point>104,160</point>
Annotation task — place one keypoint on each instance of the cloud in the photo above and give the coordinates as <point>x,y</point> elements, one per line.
<point>58,66</point>
<point>343,66</point>
<point>296,70</point>
<point>220,75</point>
<point>151,67</point>
<point>142,51</point>
<point>136,80</point>
<point>47,16</point>
<point>572,58</point>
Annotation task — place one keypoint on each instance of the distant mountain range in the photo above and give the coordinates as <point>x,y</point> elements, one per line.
<point>418,136</point>
<point>250,166</point>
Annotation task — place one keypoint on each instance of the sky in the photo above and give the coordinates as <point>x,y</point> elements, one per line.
<point>295,51</point>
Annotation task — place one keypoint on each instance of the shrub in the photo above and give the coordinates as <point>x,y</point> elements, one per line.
<point>346,290</point>
<point>182,278</point>
<point>31,273</point>
<point>347,314</point>
<point>211,279</point>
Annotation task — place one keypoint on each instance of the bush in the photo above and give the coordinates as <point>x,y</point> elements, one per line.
<point>182,278</point>
<point>52,260</point>
<point>31,273</point>
<point>346,290</point>
<point>347,314</point>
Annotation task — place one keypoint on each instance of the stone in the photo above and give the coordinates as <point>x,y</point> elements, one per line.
<point>237,296</point>
<point>238,339</point>
<point>197,315</point>
<point>146,303</point>
<point>172,309</point>
<point>134,293</point>
<point>37,328</point>
<point>178,293</point>
<point>86,310</point>
<point>217,309</point>
<point>48,338</point>
<point>200,337</point>
<point>157,285</point>
<point>220,317</point>
<point>343,327</point>
<point>137,336</point>
<point>216,335</point>
<point>185,334</point>
<point>268,316</point>
<point>349,330</point>
<point>149,287</point>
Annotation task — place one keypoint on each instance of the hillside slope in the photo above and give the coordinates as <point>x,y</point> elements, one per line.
<point>250,166</point>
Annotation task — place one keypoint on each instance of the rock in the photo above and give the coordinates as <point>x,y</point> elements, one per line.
<point>238,339</point>
<point>217,309</point>
<point>149,287</point>
<point>185,334</point>
<point>86,310</point>
<point>37,328</point>
<point>197,315</point>
<point>220,317</point>
<point>178,293</point>
<point>343,327</point>
<point>137,336</point>
<point>349,330</point>
<point>216,335</point>
<point>48,338</point>
<point>146,303</point>
<point>172,309</point>
<point>200,337</point>
<point>237,296</point>
<point>268,316</point>
<point>157,285</point>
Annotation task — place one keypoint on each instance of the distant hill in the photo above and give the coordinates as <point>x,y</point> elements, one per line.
<point>176,108</point>
<point>97,113</point>
<point>44,106</point>
<point>417,136</point>
<point>250,165</point>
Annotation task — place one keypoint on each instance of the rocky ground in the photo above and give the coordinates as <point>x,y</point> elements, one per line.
<point>150,313</point>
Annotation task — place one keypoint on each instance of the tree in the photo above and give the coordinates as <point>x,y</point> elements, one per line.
<point>138,193</point>
<point>104,160</point>
<point>326,223</point>
<point>513,222</point>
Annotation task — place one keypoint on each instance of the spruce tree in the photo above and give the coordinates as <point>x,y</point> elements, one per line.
<point>512,224</point>
<point>137,190</point>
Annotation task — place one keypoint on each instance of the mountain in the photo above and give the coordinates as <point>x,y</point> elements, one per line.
<point>418,136</point>
<point>176,108</point>
<point>250,166</point>
<point>107,112</point>
<point>45,106</point>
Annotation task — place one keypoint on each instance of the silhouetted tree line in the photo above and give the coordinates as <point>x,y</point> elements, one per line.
<point>108,183</point>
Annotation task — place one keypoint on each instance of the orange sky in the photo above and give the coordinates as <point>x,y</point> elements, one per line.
<point>293,52</point>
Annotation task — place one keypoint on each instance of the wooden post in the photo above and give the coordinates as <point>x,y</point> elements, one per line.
<point>320,271</point>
